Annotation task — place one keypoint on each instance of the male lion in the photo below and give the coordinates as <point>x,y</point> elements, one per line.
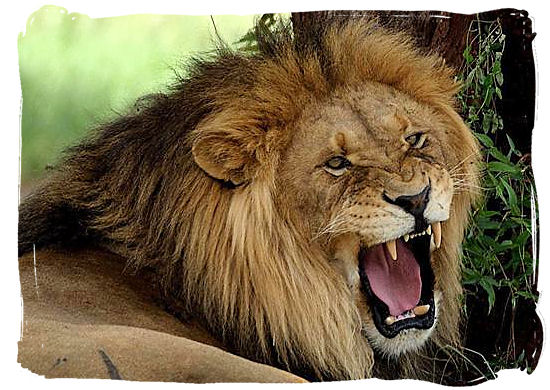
<point>305,204</point>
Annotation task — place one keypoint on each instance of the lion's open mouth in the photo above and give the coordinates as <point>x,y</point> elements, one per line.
<point>398,281</point>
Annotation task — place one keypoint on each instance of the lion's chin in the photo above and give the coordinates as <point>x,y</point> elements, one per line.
<point>398,281</point>
<point>406,341</point>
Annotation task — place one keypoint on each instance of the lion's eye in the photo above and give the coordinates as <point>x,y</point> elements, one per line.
<point>337,165</point>
<point>416,140</point>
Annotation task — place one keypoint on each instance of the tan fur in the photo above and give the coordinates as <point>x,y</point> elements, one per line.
<point>80,305</point>
<point>250,261</point>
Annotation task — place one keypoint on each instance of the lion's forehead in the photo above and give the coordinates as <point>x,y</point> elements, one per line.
<point>365,118</point>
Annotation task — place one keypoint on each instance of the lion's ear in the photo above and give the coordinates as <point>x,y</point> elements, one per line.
<point>228,155</point>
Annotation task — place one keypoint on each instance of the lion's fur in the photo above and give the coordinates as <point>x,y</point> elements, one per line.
<point>225,243</point>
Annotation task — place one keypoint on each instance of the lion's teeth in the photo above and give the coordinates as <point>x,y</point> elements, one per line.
<point>429,230</point>
<point>421,310</point>
<point>406,237</point>
<point>392,249</point>
<point>390,320</point>
<point>437,234</point>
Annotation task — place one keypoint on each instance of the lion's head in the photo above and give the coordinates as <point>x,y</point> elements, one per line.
<point>368,170</point>
<point>353,181</point>
<point>308,203</point>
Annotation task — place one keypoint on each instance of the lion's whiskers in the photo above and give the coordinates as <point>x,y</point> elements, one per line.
<point>455,169</point>
<point>465,186</point>
<point>335,226</point>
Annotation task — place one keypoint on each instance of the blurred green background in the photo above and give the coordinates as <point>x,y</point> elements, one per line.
<point>77,72</point>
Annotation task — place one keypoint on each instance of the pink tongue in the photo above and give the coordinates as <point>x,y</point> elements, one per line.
<point>396,282</point>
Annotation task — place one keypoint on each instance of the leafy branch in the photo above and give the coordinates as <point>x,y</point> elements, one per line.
<point>497,250</point>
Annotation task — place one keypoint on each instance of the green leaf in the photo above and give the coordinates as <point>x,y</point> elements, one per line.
<point>485,140</point>
<point>488,94</point>
<point>527,294</point>
<point>498,166</point>
<point>500,79</point>
<point>512,197</point>
<point>470,276</point>
<point>507,244</point>
<point>488,213</point>
<point>500,123</point>
<point>488,224</point>
<point>499,156</point>
<point>468,55</point>
<point>498,92</point>
<point>470,78</point>
<point>504,246</point>
<point>478,73</point>
<point>487,283</point>
<point>512,146</point>
<point>496,68</point>
<point>522,238</point>
<point>487,82</point>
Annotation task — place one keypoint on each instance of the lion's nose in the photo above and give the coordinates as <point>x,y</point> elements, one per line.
<point>413,204</point>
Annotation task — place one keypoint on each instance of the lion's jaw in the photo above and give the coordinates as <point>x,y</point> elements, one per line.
<point>407,329</point>
<point>389,269</point>
<point>379,239</point>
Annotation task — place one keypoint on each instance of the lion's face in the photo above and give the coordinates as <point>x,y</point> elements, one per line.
<point>367,169</point>
<point>340,188</point>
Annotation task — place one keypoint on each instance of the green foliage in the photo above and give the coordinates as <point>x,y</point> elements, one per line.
<point>266,22</point>
<point>498,246</point>
<point>77,71</point>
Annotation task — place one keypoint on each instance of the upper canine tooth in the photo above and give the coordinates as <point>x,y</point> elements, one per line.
<point>392,249</point>
<point>429,229</point>
<point>421,310</point>
<point>436,227</point>
<point>406,237</point>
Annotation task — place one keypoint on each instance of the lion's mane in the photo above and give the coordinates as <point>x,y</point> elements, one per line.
<point>239,260</point>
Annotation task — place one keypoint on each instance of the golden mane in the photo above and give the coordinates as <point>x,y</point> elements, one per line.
<point>221,241</point>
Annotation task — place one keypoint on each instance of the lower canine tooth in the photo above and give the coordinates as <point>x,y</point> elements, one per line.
<point>421,310</point>
<point>406,237</point>
<point>429,229</point>
<point>392,249</point>
<point>437,234</point>
<point>390,320</point>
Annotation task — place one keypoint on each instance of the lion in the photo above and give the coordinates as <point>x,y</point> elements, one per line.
<point>305,204</point>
